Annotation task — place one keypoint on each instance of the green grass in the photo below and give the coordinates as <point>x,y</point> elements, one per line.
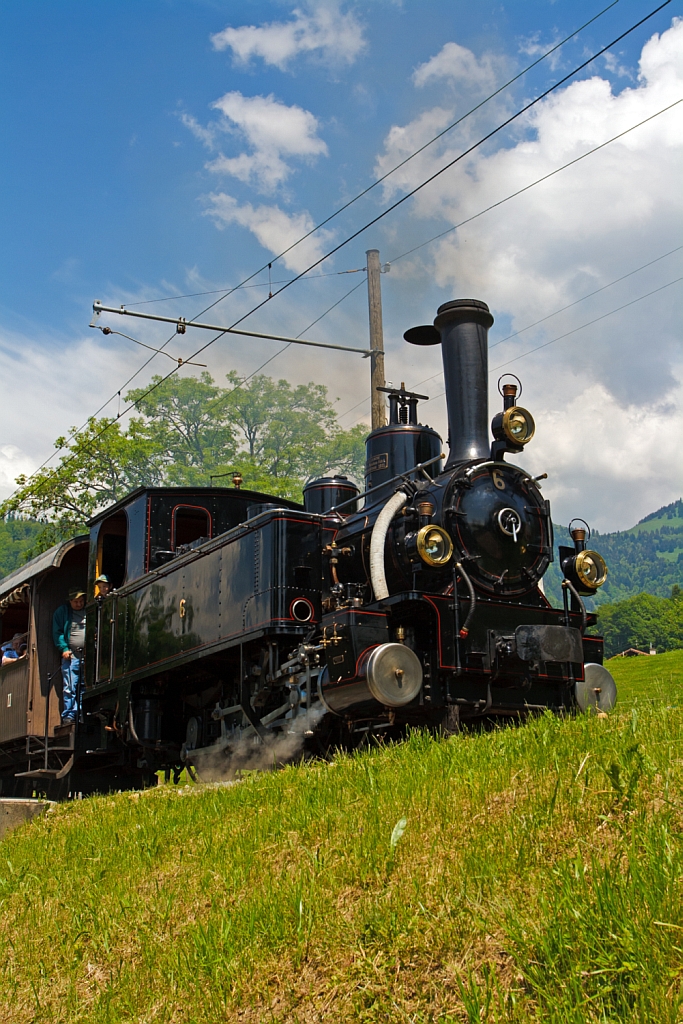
<point>528,874</point>
<point>643,680</point>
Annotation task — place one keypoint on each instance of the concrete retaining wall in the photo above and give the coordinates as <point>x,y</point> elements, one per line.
<point>15,812</point>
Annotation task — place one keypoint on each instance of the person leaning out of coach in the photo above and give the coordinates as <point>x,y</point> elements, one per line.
<point>68,633</point>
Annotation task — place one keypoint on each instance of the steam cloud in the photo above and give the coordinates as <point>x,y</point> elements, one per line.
<point>250,753</point>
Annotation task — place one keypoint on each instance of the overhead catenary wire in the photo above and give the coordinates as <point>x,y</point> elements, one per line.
<point>259,284</point>
<point>377,182</point>
<point>562,309</point>
<point>435,138</point>
<point>392,207</point>
<point>435,175</point>
<point>500,202</point>
<point>270,359</point>
<point>538,181</point>
<point>575,330</point>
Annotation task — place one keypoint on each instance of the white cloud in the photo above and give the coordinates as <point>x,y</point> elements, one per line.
<point>272,130</point>
<point>320,28</point>
<point>458,65</point>
<point>274,228</point>
<point>13,462</point>
<point>207,136</point>
<point>608,401</point>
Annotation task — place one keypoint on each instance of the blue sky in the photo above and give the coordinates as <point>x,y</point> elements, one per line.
<point>166,147</point>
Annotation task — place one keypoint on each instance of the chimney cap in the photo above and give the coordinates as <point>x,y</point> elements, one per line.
<point>464,309</point>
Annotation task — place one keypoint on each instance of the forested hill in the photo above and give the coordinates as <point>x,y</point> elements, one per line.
<point>16,538</point>
<point>647,558</point>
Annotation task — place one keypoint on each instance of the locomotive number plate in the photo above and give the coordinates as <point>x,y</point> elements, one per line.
<point>376,462</point>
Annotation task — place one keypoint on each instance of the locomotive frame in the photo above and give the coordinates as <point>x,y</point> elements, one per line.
<point>235,615</point>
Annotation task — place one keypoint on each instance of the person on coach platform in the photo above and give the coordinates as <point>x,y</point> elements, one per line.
<point>68,633</point>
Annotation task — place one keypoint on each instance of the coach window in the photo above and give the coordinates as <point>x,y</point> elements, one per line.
<point>111,549</point>
<point>190,523</point>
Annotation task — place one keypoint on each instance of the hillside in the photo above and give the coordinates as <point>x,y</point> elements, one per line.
<point>647,558</point>
<point>16,538</point>
<point>528,874</point>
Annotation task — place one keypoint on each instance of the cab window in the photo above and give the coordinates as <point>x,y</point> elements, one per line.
<point>111,549</point>
<point>190,523</point>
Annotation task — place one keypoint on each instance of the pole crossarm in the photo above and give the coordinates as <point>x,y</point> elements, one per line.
<point>181,325</point>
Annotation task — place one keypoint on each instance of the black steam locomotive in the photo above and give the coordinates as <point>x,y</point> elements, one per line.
<point>236,616</point>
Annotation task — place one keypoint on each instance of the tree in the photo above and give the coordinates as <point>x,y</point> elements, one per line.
<point>183,419</point>
<point>99,466</point>
<point>640,621</point>
<point>188,429</point>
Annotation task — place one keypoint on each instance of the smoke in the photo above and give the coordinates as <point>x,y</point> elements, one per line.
<point>253,754</point>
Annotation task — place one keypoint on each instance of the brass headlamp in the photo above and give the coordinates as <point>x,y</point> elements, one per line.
<point>584,568</point>
<point>433,545</point>
<point>591,569</point>
<point>517,425</point>
<point>513,427</point>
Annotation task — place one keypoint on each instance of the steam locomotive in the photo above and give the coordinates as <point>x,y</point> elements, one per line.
<point>236,616</point>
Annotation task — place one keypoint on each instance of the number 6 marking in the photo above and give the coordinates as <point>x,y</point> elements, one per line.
<point>498,480</point>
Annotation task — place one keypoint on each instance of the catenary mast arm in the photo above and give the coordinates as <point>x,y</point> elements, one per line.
<point>182,325</point>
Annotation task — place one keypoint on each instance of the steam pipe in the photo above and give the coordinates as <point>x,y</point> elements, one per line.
<point>473,599</point>
<point>378,576</point>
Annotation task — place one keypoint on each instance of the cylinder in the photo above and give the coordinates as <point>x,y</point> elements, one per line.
<point>148,716</point>
<point>463,325</point>
<point>329,491</point>
<point>387,676</point>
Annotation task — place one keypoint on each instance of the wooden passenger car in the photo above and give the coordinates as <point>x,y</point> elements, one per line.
<point>30,687</point>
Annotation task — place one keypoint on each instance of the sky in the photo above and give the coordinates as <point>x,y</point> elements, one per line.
<point>173,148</point>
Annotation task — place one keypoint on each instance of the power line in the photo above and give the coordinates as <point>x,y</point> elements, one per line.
<point>563,308</point>
<point>431,178</point>
<point>567,334</point>
<point>583,299</point>
<point>422,148</point>
<point>449,128</point>
<point>538,181</point>
<point>241,384</point>
<point>265,266</point>
<point>590,322</point>
<point>261,284</point>
<point>392,207</point>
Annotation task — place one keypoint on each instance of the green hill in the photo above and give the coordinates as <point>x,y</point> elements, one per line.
<point>529,874</point>
<point>647,558</point>
<point>16,538</point>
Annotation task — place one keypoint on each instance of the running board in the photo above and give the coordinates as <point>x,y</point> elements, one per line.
<point>47,773</point>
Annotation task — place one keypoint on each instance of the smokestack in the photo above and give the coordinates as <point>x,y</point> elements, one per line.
<point>461,326</point>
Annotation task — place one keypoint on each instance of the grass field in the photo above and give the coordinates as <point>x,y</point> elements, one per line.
<point>526,874</point>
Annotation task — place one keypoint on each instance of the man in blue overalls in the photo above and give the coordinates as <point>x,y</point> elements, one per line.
<point>68,633</point>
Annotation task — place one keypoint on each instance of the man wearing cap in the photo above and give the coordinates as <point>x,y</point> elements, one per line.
<point>68,633</point>
<point>14,648</point>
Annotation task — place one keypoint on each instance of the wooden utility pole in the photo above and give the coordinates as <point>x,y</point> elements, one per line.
<point>376,338</point>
